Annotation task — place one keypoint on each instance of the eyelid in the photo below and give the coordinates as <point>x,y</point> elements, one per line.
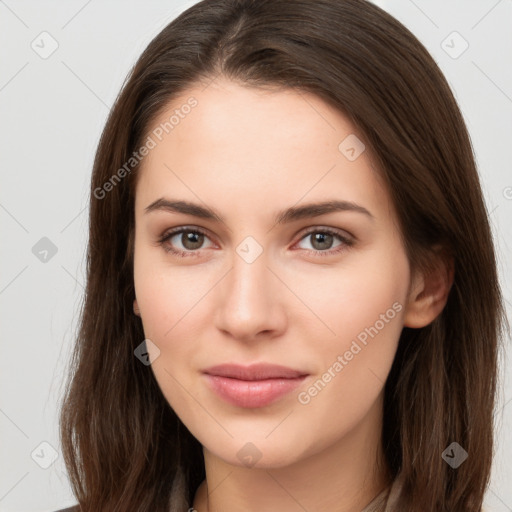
<point>342,233</point>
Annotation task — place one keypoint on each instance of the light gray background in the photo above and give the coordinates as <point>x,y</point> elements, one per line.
<point>52,111</point>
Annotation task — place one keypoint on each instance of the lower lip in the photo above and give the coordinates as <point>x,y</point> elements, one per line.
<point>252,393</point>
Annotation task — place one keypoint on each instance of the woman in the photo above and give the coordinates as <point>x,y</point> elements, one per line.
<point>228,359</point>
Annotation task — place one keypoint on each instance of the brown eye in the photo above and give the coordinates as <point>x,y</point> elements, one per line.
<point>191,240</point>
<point>183,241</point>
<point>322,240</point>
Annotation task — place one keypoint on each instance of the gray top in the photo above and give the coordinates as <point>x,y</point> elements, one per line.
<point>382,503</point>
<point>385,501</point>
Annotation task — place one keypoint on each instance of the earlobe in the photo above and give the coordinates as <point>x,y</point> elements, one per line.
<point>429,294</point>
<point>136,309</point>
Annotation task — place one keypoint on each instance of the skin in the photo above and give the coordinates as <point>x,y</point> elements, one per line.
<point>249,153</point>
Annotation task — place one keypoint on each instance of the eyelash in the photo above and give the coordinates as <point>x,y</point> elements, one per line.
<point>346,242</point>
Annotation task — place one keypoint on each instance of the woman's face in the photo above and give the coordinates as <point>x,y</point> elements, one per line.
<point>322,291</point>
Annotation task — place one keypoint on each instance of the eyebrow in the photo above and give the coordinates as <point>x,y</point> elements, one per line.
<point>291,214</point>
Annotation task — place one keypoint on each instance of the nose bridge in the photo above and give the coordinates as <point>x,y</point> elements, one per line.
<point>250,276</point>
<point>250,296</point>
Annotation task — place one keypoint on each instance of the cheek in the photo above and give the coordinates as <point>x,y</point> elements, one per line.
<point>166,302</point>
<point>157,301</point>
<point>369,290</point>
<point>174,306</point>
<point>164,294</point>
<point>367,319</point>
<point>370,299</point>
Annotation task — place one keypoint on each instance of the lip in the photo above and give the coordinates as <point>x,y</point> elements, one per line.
<point>252,386</point>
<point>257,371</point>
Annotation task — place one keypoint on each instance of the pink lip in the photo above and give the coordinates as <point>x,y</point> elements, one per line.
<point>252,386</point>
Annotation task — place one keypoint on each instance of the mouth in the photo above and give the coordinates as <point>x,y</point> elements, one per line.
<point>253,386</point>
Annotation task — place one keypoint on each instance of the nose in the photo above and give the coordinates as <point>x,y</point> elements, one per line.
<point>251,300</point>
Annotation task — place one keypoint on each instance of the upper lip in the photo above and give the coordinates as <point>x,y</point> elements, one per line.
<point>259,371</point>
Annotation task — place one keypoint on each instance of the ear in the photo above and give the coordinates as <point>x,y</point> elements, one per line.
<point>136,309</point>
<point>429,291</point>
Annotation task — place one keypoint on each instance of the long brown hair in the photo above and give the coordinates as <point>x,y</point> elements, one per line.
<point>124,447</point>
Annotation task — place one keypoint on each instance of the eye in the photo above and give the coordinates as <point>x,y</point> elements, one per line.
<point>321,239</point>
<point>191,240</point>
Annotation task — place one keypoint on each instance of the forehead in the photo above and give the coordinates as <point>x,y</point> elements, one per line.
<point>228,114</point>
<point>251,145</point>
